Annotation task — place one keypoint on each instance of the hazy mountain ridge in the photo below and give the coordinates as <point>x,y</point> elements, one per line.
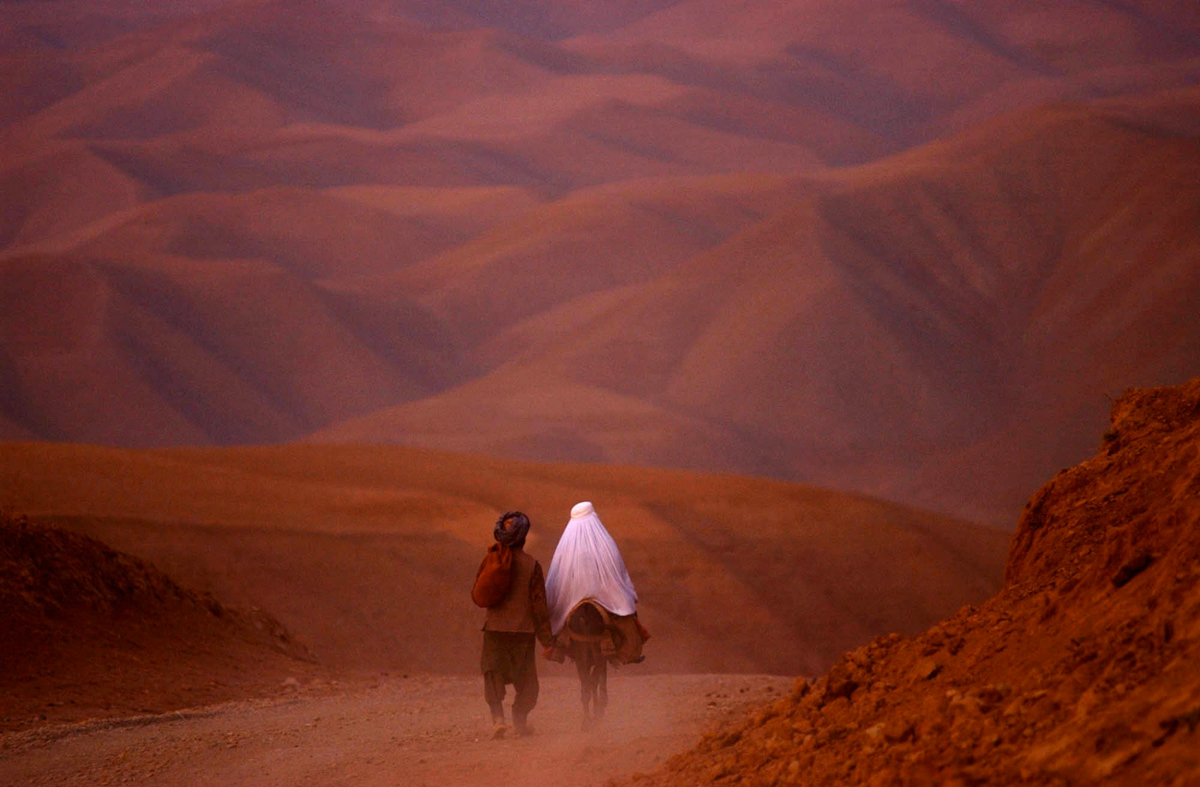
<point>966,266</point>
<point>661,244</point>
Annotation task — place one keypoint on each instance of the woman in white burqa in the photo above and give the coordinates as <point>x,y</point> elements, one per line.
<point>587,571</point>
<point>587,564</point>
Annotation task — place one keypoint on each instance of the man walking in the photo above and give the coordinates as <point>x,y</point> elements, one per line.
<point>510,628</point>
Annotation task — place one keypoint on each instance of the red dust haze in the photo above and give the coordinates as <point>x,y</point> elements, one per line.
<point>293,291</point>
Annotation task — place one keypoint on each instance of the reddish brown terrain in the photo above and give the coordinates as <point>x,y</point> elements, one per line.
<point>115,673</point>
<point>1082,670</point>
<point>868,245</point>
<point>834,338</point>
<point>297,295</point>
<point>367,554</point>
<point>90,633</point>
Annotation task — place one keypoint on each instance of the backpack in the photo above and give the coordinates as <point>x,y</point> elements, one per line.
<point>494,577</point>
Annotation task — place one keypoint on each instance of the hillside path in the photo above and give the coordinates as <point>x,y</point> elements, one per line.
<point>420,730</point>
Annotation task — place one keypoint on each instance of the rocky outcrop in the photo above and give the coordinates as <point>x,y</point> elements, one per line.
<point>1082,670</point>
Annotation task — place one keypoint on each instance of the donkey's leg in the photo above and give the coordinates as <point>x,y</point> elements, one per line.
<point>601,696</point>
<point>580,657</point>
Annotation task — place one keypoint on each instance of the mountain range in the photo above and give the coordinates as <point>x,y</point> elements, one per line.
<point>907,249</point>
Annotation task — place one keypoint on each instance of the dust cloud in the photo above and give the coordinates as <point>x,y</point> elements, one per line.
<point>415,730</point>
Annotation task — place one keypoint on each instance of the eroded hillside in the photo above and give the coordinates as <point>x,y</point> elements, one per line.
<point>91,632</point>
<point>1082,670</point>
<point>704,234</point>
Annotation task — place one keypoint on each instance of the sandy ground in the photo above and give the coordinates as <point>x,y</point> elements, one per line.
<point>419,730</point>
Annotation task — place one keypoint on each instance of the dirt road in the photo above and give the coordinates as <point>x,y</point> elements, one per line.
<point>419,730</point>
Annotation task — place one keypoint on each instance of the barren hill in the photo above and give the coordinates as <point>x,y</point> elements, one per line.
<point>891,327</point>
<point>1082,670</point>
<point>89,632</point>
<point>702,234</point>
<point>367,553</point>
<point>911,71</point>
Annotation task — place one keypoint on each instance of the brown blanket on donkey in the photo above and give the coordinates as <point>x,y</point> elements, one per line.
<point>620,640</point>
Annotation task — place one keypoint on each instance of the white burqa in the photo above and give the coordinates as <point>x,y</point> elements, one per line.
<point>587,564</point>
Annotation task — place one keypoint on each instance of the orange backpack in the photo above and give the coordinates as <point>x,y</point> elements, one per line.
<point>494,577</point>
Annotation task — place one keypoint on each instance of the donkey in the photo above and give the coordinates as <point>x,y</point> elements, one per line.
<point>587,631</point>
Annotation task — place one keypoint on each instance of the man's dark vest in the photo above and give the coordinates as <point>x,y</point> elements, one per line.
<point>515,612</point>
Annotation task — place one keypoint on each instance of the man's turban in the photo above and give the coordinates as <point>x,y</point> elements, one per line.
<point>514,535</point>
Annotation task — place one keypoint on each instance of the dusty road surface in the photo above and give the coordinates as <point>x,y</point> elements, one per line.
<point>416,730</point>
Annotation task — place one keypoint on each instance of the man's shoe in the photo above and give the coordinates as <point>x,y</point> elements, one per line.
<point>499,730</point>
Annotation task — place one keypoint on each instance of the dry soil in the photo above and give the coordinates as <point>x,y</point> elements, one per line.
<point>393,730</point>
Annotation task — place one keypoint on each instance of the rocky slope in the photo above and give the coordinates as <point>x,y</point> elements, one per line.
<point>1082,670</point>
<point>90,632</point>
